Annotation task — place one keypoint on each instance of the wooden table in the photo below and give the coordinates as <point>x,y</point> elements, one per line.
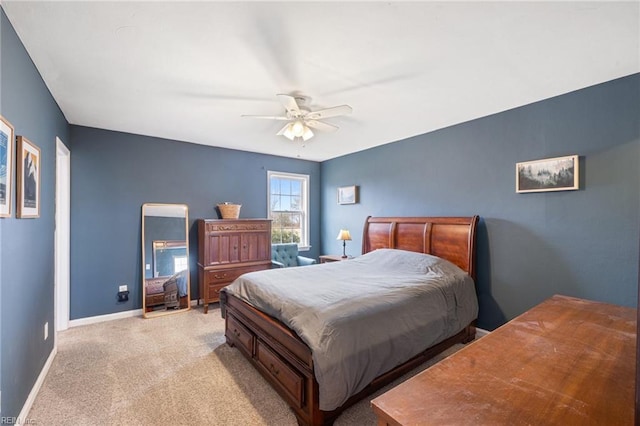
<point>566,361</point>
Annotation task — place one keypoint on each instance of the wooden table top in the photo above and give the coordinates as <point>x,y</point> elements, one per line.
<point>333,258</point>
<point>566,361</point>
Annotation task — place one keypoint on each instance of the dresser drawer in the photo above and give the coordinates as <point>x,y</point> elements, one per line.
<point>214,291</point>
<point>289,379</point>
<point>225,276</point>
<point>239,335</point>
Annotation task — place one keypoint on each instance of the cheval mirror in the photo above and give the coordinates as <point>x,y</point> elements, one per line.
<point>165,259</point>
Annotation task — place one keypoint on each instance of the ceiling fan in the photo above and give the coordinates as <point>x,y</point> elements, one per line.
<point>301,119</point>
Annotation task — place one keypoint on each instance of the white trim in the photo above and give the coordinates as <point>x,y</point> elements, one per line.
<point>102,318</point>
<point>481,332</point>
<point>110,317</point>
<point>305,244</point>
<point>22,417</point>
<point>62,237</point>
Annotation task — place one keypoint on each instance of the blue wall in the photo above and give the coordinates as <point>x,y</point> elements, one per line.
<point>27,245</point>
<point>530,246</point>
<point>113,174</point>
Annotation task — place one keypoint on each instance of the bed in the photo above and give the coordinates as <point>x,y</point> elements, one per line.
<point>303,364</point>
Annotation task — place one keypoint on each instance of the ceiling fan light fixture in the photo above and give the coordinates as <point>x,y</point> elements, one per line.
<point>308,134</point>
<point>298,128</point>
<point>288,132</point>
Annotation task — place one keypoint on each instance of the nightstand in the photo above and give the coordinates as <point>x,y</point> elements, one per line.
<point>326,258</point>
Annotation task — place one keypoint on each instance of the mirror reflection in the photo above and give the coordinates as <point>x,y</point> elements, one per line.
<point>165,259</point>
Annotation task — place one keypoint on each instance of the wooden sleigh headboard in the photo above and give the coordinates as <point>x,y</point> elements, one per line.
<point>451,238</point>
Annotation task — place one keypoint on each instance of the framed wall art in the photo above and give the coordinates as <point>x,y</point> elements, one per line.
<point>348,194</point>
<point>7,138</point>
<point>549,174</point>
<point>28,172</point>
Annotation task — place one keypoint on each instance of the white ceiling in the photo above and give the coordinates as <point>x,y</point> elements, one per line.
<point>189,70</point>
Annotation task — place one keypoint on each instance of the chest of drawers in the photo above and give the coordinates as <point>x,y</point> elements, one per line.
<point>228,248</point>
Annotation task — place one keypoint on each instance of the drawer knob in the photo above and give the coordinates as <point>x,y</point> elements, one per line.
<point>236,332</point>
<point>219,277</point>
<point>273,369</point>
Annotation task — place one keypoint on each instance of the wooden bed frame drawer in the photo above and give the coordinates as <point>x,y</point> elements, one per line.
<point>240,336</point>
<point>290,380</point>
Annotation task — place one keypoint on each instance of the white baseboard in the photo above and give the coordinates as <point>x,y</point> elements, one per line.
<point>111,317</point>
<point>107,317</point>
<point>22,417</point>
<point>481,332</point>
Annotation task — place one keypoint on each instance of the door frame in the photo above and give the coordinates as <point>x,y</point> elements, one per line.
<point>62,236</point>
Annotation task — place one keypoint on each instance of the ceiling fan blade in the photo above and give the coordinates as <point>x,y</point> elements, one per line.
<point>290,104</point>
<point>329,112</point>
<point>267,117</point>
<point>319,125</point>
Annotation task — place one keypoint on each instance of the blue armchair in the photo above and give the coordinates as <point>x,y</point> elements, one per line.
<point>286,255</point>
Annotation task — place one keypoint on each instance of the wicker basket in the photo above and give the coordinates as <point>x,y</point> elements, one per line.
<point>229,211</point>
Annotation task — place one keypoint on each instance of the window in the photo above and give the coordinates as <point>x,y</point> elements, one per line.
<point>180,263</point>
<point>288,197</point>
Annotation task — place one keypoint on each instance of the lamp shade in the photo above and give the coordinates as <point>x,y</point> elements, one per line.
<point>344,235</point>
<point>288,132</point>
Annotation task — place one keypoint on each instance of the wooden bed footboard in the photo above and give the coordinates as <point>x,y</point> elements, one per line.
<point>286,362</point>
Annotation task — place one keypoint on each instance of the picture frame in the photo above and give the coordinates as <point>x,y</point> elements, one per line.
<point>28,173</point>
<point>7,139</point>
<point>348,194</point>
<point>548,174</point>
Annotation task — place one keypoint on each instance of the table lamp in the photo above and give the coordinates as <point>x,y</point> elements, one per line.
<point>344,236</point>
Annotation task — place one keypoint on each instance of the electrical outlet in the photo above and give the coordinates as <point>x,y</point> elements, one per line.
<point>46,330</point>
<point>122,288</point>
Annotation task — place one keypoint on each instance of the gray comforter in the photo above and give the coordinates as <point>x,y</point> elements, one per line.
<point>364,316</point>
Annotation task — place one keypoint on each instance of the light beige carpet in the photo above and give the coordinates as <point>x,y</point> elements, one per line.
<point>173,370</point>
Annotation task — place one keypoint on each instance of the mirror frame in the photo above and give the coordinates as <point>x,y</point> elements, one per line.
<point>155,314</point>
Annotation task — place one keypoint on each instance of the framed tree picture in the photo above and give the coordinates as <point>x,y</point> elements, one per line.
<point>28,172</point>
<point>549,174</point>
<point>7,138</point>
